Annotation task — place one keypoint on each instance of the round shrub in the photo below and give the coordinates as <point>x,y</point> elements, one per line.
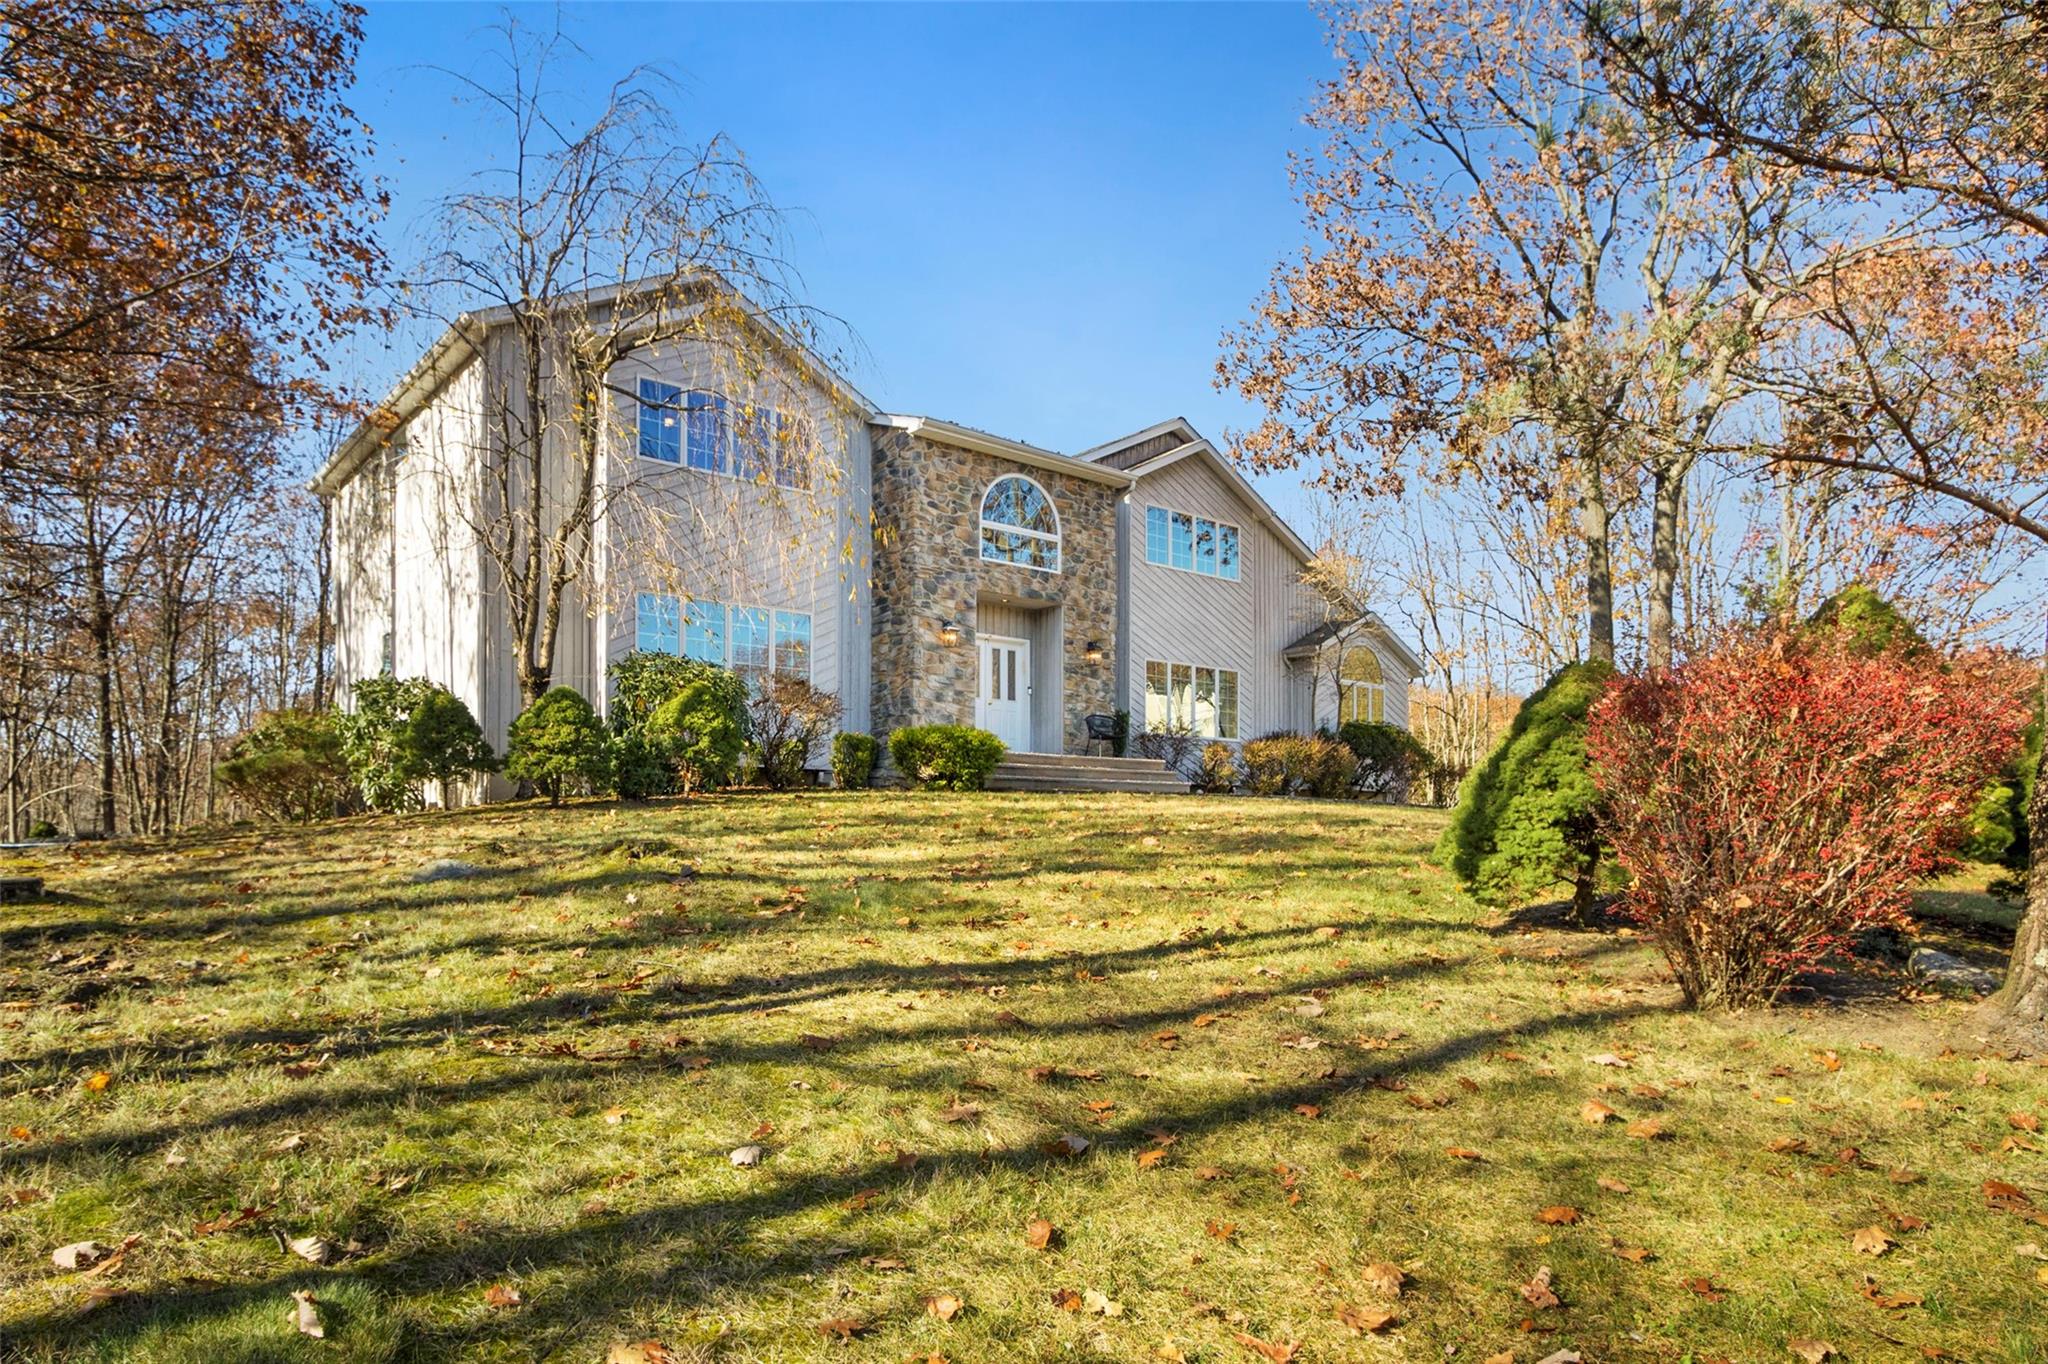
<point>639,768</point>
<point>404,731</point>
<point>788,719</point>
<point>1298,765</point>
<point>1785,791</point>
<point>702,730</point>
<point>558,744</point>
<point>1390,759</point>
<point>1218,772</point>
<point>853,760</point>
<point>1526,819</point>
<point>289,767</point>
<point>946,757</point>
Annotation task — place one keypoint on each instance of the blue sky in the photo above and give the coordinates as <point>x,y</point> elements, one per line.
<point>1038,219</point>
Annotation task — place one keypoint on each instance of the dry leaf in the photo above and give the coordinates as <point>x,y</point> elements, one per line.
<point>1278,1353</point>
<point>1608,1058</point>
<point>1558,1215</point>
<point>1066,1299</point>
<point>1360,1319</point>
<point>1039,1234</point>
<point>1595,1112</point>
<point>1811,1350</point>
<point>1384,1279</point>
<point>1065,1145</point>
<point>1647,1129</point>
<point>1870,1240</point>
<point>639,1352</point>
<point>313,1249</point>
<point>846,1328</point>
<point>1309,1110</point>
<point>944,1306</point>
<point>960,1112</point>
<point>304,1316</point>
<point>80,1255</point>
<point>229,1220</point>
<point>1148,1159</point>
<point>1101,1304</point>
<point>884,1264</point>
<point>1222,1231</point>
<point>98,1081</point>
<point>1209,1172</point>
<point>614,1116</point>
<point>1613,1185</point>
<point>1635,1255</point>
<point>1538,1292</point>
<point>1462,1153</point>
<point>497,1295</point>
<point>1707,1289</point>
<point>2026,1122</point>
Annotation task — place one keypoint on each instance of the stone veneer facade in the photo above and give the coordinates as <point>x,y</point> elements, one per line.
<point>928,569</point>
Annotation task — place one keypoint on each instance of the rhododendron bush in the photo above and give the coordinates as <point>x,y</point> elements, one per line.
<point>1786,789</point>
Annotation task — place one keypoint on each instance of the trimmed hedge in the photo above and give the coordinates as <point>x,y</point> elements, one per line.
<point>853,760</point>
<point>558,743</point>
<point>1390,759</point>
<point>946,757</point>
<point>1298,765</point>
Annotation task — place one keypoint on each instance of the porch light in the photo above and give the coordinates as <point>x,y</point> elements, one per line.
<point>949,632</point>
<point>1092,651</point>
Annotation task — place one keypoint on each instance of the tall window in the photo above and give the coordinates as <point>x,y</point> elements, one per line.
<point>1019,525</point>
<point>1183,541</point>
<point>710,431</point>
<point>750,642</point>
<point>1202,700</point>
<point>1361,689</point>
<point>657,620</point>
<point>793,645</point>
<point>704,632</point>
<point>1155,535</point>
<point>661,422</point>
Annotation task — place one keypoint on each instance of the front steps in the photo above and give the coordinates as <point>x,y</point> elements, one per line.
<point>1076,772</point>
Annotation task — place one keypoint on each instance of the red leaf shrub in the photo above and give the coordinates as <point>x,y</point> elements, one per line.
<point>1784,790</point>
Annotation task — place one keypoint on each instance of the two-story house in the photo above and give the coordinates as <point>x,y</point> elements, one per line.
<point>762,514</point>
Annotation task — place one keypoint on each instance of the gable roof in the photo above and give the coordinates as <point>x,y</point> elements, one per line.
<point>1340,630</point>
<point>457,344</point>
<point>1165,444</point>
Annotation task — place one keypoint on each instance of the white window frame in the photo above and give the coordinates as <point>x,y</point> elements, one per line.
<point>1195,522</point>
<point>774,617</point>
<point>738,435</point>
<point>1176,670</point>
<point>1056,539</point>
<point>1370,707</point>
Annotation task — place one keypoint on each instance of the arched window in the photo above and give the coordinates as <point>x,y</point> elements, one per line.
<point>1019,525</point>
<point>1361,690</point>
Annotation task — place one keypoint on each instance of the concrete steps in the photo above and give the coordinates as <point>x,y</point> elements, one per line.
<point>1078,772</point>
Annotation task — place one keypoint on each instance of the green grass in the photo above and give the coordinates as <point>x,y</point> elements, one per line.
<point>1284,998</point>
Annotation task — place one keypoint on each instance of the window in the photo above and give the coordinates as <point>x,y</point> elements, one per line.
<point>704,632</point>
<point>710,431</point>
<point>657,620</point>
<point>790,446</point>
<point>1019,525</point>
<point>1361,690</point>
<point>750,642</point>
<point>1184,541</point>
<point>793,645</point>
<point>1155,535</point>
<point>1203,700</point>
<point>1193,544</point>
<point>661,422</point>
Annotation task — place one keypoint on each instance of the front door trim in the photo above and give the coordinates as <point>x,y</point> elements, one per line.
<point>1002,693</point>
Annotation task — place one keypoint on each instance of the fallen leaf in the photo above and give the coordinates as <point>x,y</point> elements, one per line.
<point>1538,1292</point>
<point>1608,1058</point>
<point>1101,1304</point>
<point>1647,1129</point>
<point>1462,1153</point>
<point>1786,1146</point>
<point>497,1295</point>
<point>614,1116</point>
<point>1870,1240</point>
<point>1362,1320</point>
<point>1278,1353</point>
<point>746,1157</point>
<point>1595,1112</point>
<point>639,1352</point>
<point>80,1255</point>
<point>1811,1350</point>
<point>944,1306</point>
<point>1222,1231</point>
<point>1148,1159</point>
<point>304,1316</point>
<point>1635,1255</point>
<point>884,1264</point>
<point>1065,1145</point>
<point>2026,1122</point>
<point>1210,1172</point>
<point>98,1081</point>
<point>1066,1299</point>
<point>229,1220</point>
<point>960,1112</point>
<point>1890,1302</point>
<point>1613,1185</point>
<point>1384,1279</point>
<point>1309,1110</point>
<point>1707,1289</point>
<point>846,1328</point>
<point>312,1249</point>
<point>1039,1234</point>
<point>1558,1215</point>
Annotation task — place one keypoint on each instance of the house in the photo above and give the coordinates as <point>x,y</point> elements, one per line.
<point>747,505</point>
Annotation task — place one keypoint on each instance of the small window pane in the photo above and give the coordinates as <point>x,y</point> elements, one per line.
<point>1205,702</point>
<point>1155,535</point>
<point>1155,697</point>
<point>1226,552</point>
<point>1205,547</point>
<point>793,645</point>
<point>704,632</point>
<point>710,433</point>
<point>1181,703</point>
<point>657,623</point>
<point>661,422</point>
<point>793,451</point>
<point>1226,704</point>
<point>750,642</point>
<point>1183,541</point>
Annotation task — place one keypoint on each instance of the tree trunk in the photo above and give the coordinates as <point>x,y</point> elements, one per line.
<point>324,569</point>
<point>1666,504</point>
<point>1593,528</point>
<point>2025,994</point>
<point>101,628</point>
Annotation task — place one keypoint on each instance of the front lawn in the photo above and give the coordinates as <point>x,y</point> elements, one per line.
<point>1078,1078</point>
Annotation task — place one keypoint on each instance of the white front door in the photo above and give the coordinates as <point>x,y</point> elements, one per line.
<point>1003,705</point>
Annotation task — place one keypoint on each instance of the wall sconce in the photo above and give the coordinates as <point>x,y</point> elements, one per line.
<point>949,632</point>
<point>1092,651</point>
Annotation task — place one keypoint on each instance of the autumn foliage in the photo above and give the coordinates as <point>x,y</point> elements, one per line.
<point>1786,789</point>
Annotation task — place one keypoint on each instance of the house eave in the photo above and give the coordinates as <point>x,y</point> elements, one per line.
<point>986,443</point>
